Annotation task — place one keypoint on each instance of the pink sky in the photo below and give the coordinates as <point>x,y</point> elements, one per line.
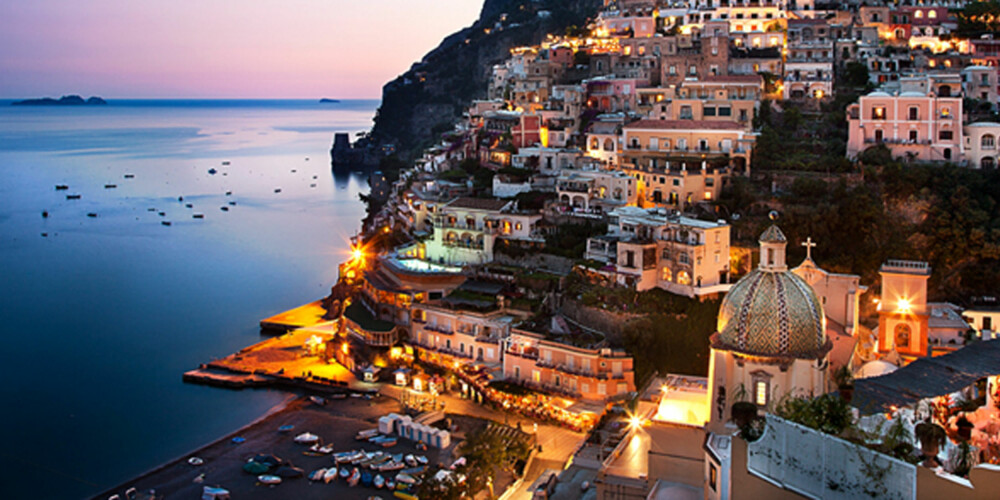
<point>218,48</point>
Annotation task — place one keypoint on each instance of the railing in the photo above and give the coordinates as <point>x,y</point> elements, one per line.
<point>525,355</point>
<point>462,244</point>
<point>438,329</point>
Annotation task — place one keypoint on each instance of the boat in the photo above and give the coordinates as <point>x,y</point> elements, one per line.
<point>61,187</point>
<point>162,214</point>
<point>326,450</point>
<point>72,197</point>
<point>196,461</point>
<point>130,176</point>
<point>353,479</point>
<point>318,400</point>
<point>366,478</point>
<point>344,473</point>
<point>239,440</point>
<point>165,222</point>
<point>389,443</point>
<point>224,209</point>
<point>229,193</point>
<point>422,460</point>
<point>277,190</point>
<point>306,438</point>
<point>366,434</point>
<point>286,428</point>
<point>317,475</point>
<point>338,395</point>
<point>180,198</point>
<point>226,163</point>
<point>232,203</point>
<point>457,463</point>
<point>379,481</point>
<point>413,471</point>
<point>189,205</point>
<point>404,478</point>
<point>198,216</point>
<point>312,185</point>
<point>110,186</point>
<point>404,495</point>
<point>150,209</point>
<point>390,466</point>
<point>212,171</point>
<point>91,214</point>
<point>345,456</point>
<point>269,479</point>
<point>411,460</point>
<point>330,475</point>
<point>390,484</point>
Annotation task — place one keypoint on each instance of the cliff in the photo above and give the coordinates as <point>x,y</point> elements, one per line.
<point>427,100</point>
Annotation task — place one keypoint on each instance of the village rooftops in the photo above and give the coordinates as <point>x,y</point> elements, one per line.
<point>490,204</point>
<point>684,125</point>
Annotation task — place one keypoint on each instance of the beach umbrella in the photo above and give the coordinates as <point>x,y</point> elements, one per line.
<point>288,471</point>
<point>255,468</point>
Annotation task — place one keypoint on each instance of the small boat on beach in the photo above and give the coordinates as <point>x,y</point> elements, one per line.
<point>422,460</point>
<point>366,479</point>
<point>286,428</point>
<point>317,475</point>
<point>390,484</point>
<point>390,466</point>
<point>345,456</point>
<point>379,481</point>
<point>318,400</point>
<point>306,438</point>
<point>239,440</point>
<point>269,479</point>
<point>338,395</point>
<point>330,475</point>
<point>353,479</point>
<point>344,473</point>
<point>195,461</point>
<point>404,478</point>
<point>72,197</point>
<point>366,434</point>
<point>411,460</point>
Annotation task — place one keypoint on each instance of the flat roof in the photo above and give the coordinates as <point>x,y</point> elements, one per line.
<point>479,203</point>
<point>683,125</point>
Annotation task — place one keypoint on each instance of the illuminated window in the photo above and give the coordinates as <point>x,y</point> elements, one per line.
<point>878,113</point>
<point>902,335</point>
<point>931,14</point>
<point>667,274</point>
<point>760,393</point>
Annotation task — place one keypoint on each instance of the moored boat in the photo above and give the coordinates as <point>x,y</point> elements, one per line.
<point>110,186</point>
<point>61,187</point>
<point>198,216</point>
<point>165,222</point>
<point>73,197</point>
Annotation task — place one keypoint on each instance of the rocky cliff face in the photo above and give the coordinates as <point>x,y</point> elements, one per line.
<point>428,99</point>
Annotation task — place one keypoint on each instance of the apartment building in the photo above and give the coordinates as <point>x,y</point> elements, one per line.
<point>922,126</point>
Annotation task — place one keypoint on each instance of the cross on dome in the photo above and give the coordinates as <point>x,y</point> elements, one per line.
<point>809,244</point>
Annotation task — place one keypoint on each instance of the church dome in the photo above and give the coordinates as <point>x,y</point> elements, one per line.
<point>772,312</point>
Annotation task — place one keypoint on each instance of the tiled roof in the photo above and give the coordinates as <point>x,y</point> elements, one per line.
<point>773,234</point>
<point>683,125</point>
<point>479,203</point>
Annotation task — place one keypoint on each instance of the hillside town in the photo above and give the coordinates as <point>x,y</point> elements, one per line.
<point>572,253</point>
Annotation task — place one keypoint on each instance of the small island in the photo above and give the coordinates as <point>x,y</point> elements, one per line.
<point>326,100</point>
<point>66,100</point>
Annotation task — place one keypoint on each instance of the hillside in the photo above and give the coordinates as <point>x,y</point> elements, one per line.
<point>426,100</point>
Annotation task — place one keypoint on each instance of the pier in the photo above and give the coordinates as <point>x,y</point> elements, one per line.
<point>307,315</point>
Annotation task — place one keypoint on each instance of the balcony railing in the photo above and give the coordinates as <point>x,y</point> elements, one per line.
<point>523,354</point>
<point>438,329</point>
<point>463,244</point>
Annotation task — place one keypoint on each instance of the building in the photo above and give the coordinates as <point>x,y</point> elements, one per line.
<point>466,229</point>
<point>984,317</point>
<point>981,144</point>
<point>595,191</point>
<point>922,126</point>
<point>651,249</point>
<point>839,293</point>
<point>451,330</point>
<point>980,83</point>
<point>656,142</point>
<point>809,63</point>
<point>591,373</point>
<point>903,314</point>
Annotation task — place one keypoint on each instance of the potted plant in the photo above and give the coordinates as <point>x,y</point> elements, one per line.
<point>742,412</point>
<point>932,438</point>
<point>845,383</point>
<point>964,428</point>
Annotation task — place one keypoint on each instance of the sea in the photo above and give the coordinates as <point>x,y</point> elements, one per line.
<point>104,307</point>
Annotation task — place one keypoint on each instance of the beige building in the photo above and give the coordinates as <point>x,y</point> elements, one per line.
<point>466,229</point>
<point>651,249</point>
<point>655,142</point>
<point>452,333</point>
<point>587,373</point>
<point>839,293</point>
<point>595,191</point>
<point>981,144</point>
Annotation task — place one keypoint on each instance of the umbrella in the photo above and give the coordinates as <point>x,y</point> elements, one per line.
<point>288,471</point>
<point>255,468</point>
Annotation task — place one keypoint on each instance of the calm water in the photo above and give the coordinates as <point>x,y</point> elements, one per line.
<point>100,318</point>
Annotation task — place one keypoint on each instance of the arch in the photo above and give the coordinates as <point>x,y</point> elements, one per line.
<point>657,196</point>
<point>618,194</point>
<point>684,278</point>
<point>919,14</point>
<point>564,198</point>
<point>479,354</point>
<point>931,14</point>
<point>595,144</point>
<point>988,162</point>
<point>944,91</point>
<point>451,237</point>
<point>609,145</point>
<point>900,33</point>
<point>988,141</point>
<point>902,334</point>
<point>579,201</point>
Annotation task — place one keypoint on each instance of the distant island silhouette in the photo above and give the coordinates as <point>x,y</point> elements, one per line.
<point>66,100</point>
<point>328,101</point>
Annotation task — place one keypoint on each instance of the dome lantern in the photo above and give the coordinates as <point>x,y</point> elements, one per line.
<point>772,250</point>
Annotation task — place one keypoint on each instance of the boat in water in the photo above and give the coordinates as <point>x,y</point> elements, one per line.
<point>212,171</point>
<point>110,186</point>
<point>198,216</point>
<point>165,222</point>
<point>73,197</point>
<point>61,187</point>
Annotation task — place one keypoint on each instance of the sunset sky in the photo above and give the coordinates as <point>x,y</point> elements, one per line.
<point>218,48</point>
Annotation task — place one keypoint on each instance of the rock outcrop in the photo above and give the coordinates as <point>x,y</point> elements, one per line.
<point>427,100</point>
<point>66,100</point>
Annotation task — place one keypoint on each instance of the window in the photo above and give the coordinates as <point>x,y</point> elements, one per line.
<point>713,476</point>
<point>947,153</point>
<point>667,275</point>
<point>931,14</point>
<point>902,335</point>
<point>725,111</point>
<point>945,135</point>
<point>760,393</point>
<point>878,135</point>
<point>913,136</point>
<point>693,70</point>
<point>914,113</point>
<point>878,113</point>
<point>709,111</point>
<point>988,142</point>
<point>672,70</point>
<point>686,113</point>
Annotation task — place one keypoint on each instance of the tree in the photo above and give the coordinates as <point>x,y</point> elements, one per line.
<point>856,74</point>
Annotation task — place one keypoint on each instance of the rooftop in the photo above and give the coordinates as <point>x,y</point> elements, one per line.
<point>683,125</point>
<point>492,204</point>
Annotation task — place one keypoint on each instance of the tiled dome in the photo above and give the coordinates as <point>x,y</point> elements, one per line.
<point>773,312</point>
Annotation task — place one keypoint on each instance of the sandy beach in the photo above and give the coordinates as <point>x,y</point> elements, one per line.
<point>337,422</point>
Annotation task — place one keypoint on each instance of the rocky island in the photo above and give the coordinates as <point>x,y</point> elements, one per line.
<point>327,100</point>
<point>66,100</point>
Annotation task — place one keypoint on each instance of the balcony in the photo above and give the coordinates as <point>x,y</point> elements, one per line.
<point>528,354</point>
<point>438,329</point>
<point>468,245</point>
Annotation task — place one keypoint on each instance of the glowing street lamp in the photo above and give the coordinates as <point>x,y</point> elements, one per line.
<point>904,306</point>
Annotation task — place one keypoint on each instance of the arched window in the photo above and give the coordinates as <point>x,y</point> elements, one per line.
<point>902,335</point>
<point>683,278</point>
<point>609,145</point>
<point>900,33</point>
<point>668,275</point>
<point>932,14</point>
<point>594,144</point>
<point>918,14</point>
<point>988,142</point>
<point>988,162</point>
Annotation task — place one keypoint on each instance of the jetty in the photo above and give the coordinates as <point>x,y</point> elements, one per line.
<point>304,316</point>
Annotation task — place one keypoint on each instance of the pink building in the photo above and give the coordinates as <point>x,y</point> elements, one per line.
<point>612,94</point>
<point>911,124</point>
<point>593,374</point>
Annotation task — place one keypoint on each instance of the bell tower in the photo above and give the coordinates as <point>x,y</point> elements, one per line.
<point>902,311</point>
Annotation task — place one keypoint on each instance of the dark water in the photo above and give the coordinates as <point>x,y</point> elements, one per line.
<point>100,318</point>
